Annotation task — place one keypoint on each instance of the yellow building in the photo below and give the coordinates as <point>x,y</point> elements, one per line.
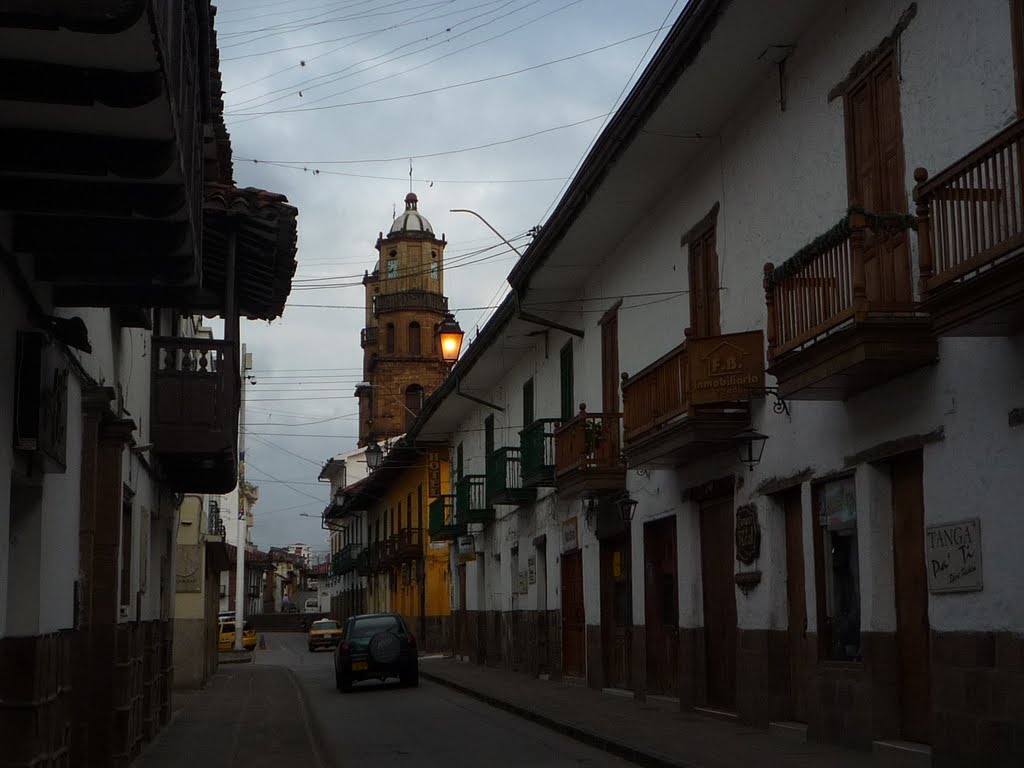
<point>384,519</point>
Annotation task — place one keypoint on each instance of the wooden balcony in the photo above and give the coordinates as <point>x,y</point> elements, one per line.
<point>841,313</point>
<point>443,525</point>
<point>693,400</point>
<point>588,456</point>
<point>537,443</point>
<point>505,479</point>
<point>103,136</point>
<point>194,413</point>
<point>408,545</point>
<point>347,559</point>
<point>971,229</point>
<point>471,504</point>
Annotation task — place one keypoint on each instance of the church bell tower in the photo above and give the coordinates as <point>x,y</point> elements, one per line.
<point>405,302</point>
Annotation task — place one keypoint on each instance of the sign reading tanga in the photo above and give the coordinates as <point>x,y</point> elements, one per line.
<point>748,534</point>
<point>724,369</point>
<point>433,473</point>
<point>953,556</point>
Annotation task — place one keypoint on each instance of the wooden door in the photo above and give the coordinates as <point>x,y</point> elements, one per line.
<point>874,141</point>
<point>717,570</point>
<point>574,625</point>
<point>541,566</point>
<point>616,610</point>
<point>610,381</point>
<point>911,597</point>
<point>796,596</point>
<point>703,269</point>
<point>661,591</point>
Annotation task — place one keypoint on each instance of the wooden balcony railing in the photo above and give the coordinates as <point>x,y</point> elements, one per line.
<point>825,285</point>
<point>471,500</point>
<point>505,478</point>
<point>655,395</point>
<point>589,441</point>
<point>194,411</point>
<point>408,545</point>
<point>537,441</point>
<point>347,559</point>
<point>443,525</point>
<point>972,213</point>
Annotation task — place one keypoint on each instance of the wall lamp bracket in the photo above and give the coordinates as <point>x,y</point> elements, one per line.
<point>781,405</point>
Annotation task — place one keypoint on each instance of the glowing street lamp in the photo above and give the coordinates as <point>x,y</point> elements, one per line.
<point>450,334</point>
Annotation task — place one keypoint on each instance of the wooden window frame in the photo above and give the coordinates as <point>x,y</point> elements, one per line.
<point>886,51</point>
<point>566,382</point>
<point>699,231</point>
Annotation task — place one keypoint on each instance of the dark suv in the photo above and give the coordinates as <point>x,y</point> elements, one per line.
<point>376,646</point>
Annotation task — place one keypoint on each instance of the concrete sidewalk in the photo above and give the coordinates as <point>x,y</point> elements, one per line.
<point>654,733</point>
<point>248,715</point>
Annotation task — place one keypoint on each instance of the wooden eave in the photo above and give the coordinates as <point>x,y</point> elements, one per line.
<point>689,438</point>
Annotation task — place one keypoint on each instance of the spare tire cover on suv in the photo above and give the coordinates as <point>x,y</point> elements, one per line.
<point>385,647</point>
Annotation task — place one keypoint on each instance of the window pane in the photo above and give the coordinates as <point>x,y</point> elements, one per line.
<point>836,505</point>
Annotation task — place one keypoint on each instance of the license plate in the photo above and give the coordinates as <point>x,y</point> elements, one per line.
<point>360,666</point>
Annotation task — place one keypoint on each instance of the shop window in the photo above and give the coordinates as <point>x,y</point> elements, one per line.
<point>837,570</point>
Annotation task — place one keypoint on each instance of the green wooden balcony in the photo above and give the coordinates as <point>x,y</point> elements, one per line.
<point>538,454</point>
<point>471,500</point>
<point>443,526</point>
<point>347,559</point>
<point>505,479</point>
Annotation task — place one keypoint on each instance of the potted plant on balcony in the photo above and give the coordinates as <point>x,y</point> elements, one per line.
<point>593,436</point>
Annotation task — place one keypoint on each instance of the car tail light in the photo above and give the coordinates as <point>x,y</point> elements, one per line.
<point>412,640</point>
<point>344,647</point>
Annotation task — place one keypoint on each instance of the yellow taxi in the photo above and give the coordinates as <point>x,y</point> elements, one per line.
<point>324,633</point>
<point>226,636</point>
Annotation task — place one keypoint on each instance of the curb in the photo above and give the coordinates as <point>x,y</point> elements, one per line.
<point>617,748</point>
<point>228,657</point>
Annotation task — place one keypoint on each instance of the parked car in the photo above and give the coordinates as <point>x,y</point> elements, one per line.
<point>325,633</point>
<point>312,606</point>
<point>226,636</point>
<point>376,646</point>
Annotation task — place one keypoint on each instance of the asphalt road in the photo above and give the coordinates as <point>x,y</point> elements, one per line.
<point>387,725</point>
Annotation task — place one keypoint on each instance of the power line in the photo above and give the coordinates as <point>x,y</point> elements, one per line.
<point>453,86</point>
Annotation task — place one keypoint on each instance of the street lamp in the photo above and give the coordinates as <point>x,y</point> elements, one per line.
<point>627,506</point>
<point>750,443</point>
<point>374,455</point>
<point>450,334</point>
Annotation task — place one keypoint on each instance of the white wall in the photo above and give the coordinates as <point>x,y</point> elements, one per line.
<point>780,181</point>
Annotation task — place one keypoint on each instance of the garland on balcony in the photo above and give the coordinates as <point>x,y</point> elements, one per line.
<point>836,236</point>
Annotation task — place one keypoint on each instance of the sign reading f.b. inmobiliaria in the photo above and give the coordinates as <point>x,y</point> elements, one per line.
<point>724,369</point>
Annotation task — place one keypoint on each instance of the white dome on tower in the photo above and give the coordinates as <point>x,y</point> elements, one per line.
<point>411,220</point>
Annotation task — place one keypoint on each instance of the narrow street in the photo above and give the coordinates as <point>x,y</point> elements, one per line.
<point>376,724</point>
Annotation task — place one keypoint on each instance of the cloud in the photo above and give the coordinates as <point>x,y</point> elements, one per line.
<point>340,216</point>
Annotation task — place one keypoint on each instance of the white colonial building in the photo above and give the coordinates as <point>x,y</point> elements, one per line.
<point>753,263</point>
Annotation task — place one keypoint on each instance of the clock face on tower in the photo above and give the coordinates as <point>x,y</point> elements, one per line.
<point>392,268</point>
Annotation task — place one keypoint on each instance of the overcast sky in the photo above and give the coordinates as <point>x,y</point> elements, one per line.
<point>495,103</point>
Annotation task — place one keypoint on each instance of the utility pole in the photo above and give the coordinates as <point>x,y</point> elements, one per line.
<point>242,511</point>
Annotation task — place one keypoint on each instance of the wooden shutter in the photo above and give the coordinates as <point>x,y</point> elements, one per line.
<point>528,403</point>
<point>610,363</point>
<point>703,273</point>
<point>568,408</point>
